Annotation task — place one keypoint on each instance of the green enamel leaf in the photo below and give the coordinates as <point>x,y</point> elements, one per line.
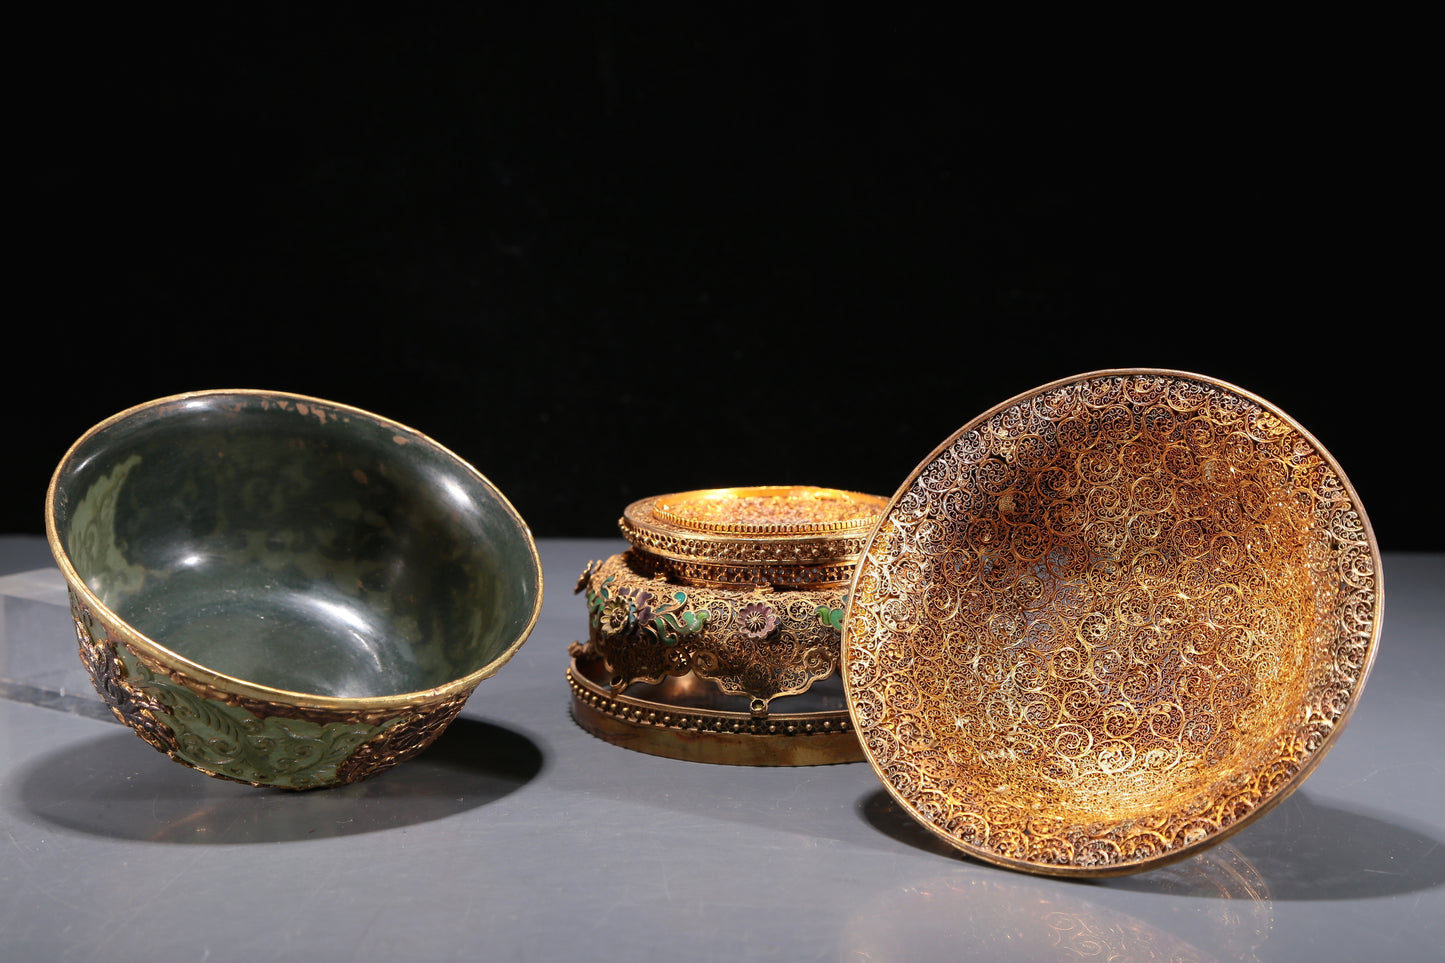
<point>831,617</point>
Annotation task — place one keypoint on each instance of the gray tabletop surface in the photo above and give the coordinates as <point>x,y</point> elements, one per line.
<point>519,836</point>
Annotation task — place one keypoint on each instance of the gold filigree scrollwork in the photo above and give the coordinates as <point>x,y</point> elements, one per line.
<point>1109,622</point>
<point>758,644</point>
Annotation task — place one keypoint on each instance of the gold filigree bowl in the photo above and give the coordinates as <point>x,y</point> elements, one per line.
<point>1111,621</point>
<point>715,638</point>
<point>285,591</point>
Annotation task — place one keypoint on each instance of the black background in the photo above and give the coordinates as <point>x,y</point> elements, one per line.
<point>604,252</point>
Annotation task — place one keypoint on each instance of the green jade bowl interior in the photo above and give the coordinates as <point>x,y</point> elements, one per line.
<point>296,544</point>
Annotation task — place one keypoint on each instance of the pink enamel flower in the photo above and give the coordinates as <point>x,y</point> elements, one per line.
<point>757,620</point>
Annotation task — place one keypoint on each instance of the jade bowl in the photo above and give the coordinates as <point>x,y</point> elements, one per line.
<point>285,591</point>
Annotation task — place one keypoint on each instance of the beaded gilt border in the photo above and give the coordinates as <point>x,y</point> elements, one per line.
<point>640,712</point>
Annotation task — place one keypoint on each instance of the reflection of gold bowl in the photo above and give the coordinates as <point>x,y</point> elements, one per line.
<point>1110,621</point>
<point>285,591</point>
<point>1002,919</point>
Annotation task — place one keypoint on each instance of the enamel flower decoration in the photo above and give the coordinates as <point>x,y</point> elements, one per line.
<point>757,620</point>
<point>585,579</point>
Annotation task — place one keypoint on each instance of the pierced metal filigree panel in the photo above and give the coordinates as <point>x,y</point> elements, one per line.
<point>756,644</point>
